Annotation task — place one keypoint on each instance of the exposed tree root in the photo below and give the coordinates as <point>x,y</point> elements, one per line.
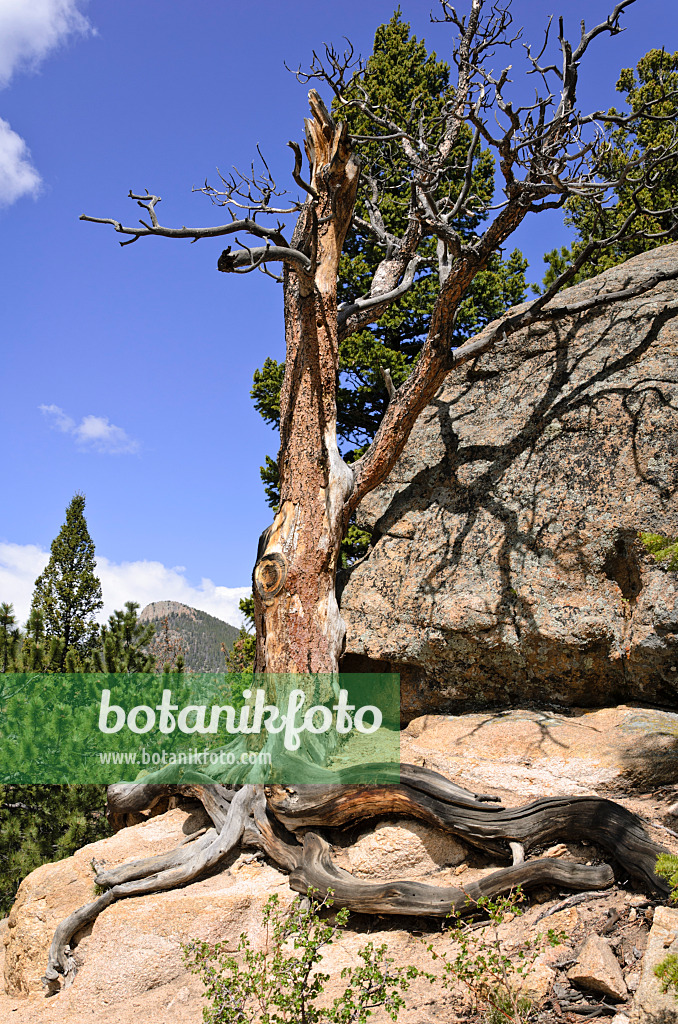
<point>488,828</point>
<point>318,871</point>
<point>269,819</point>
<point>152,875</point>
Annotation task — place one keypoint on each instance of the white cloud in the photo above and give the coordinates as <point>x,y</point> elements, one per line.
<point>20,565</point>
<point>141,581</point>
<point>152,581</point>
<point>18,176</point>
<point>29,29</point>
<point>93,433</point>
<point>60,421</point>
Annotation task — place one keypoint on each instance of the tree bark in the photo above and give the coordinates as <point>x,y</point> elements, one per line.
<point>299,628</point>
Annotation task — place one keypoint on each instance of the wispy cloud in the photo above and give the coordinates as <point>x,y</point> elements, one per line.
<point>18,176</point>
<point>29,30</point>
<point>92,433</point>
<point>142,581</point>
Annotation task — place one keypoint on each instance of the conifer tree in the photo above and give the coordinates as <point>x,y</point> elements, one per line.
<point>33,649</point>
<point>125,640</point>
<point>9,638</point>
<point>68,594</point>
<point>449,229</point>
<point>653,81</point>
<point>45,823</point>
<point>241,656</point>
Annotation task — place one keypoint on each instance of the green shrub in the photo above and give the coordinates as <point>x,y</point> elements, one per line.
<point>667,970</point>
<point>483,966</point>
<point>282,983</point>
<point>667,867</point>
<point>663,549</point>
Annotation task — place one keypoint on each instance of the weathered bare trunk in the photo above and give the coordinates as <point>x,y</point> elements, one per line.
<point>299,627</point>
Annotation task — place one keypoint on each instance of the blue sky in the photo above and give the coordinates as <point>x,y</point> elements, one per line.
<point>126,372</point>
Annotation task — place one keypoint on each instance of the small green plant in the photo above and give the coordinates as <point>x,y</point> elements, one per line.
<point>667,867</point>
<point>667,970</point>
<point>663,549</point>
<point>282,983</point>
<point>481,963</point>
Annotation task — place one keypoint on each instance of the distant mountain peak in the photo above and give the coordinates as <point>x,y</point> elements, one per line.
<point>159,609</point>
<point>200,634</point>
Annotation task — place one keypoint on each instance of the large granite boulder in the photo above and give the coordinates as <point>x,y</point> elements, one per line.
<point>130,963</point>
<point>506,563</point>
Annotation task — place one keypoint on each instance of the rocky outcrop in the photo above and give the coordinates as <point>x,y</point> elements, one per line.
<point>651,1005</point>
<point>506,565</point>
<point>130,964</point>
<point>130,961</point>
<point>530,752</point>
<point>198,636</point>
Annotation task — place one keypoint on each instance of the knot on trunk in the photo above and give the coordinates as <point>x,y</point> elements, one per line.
<point>270,574</point>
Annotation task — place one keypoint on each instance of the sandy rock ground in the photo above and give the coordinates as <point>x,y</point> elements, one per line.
<point>130,961</point>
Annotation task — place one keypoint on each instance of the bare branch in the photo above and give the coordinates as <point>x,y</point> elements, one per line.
<point>351,316</point>
<point>155,228</point>
<point>246,260</point>
<point>296,173</point>
<point>390,387</point>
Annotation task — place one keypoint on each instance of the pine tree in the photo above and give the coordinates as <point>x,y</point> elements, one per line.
<point>241,656</point>
<point>45,823</point>
<point>402,76</point>
<point>68,594</point>
<point>9,638</point>
<point>41,823</point>
<point>34,656</point>
<point>125,640</point>
<point>655,77</point>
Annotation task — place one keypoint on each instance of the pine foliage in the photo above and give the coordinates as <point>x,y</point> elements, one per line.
<point>655,76</point>
<point>45,823</point>
<point>125,641</point>
<point>67,597</point>
<point>10,636</point>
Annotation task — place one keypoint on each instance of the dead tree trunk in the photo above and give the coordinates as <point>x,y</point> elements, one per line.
<point>547,152</point>
<point>299,628</point>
